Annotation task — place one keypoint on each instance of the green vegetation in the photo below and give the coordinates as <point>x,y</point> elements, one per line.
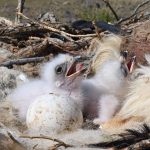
<point>97,14</point>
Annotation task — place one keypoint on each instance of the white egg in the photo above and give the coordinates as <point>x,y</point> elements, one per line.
<point>53,113</point>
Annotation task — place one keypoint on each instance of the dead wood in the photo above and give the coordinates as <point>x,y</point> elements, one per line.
<point>21,32</point>
<point>16,142</point>
<point>70,46</point>
<point>33,50</point>
<point>39,39</point>
<point>20,8</point>
<point>52,45</point>
<point>135,12</point>
<point>22,61</point>
<point>111,8</point>
<point>34,39</point>
<point>60,143</point>
<point>65,34</point>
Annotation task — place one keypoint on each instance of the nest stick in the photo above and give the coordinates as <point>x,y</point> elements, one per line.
<point>20,8</point>
<point>134,12</point>
<point>61,143</point>
<point>65,34</point>
<point>21,61</point>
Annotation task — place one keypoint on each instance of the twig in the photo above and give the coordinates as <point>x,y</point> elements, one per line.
<point>97,30</point>
<point>70,47</point>
<point>22,61</point>
<point>56,30</point>
<point>14,140</point>
<point>134,12</point>
<point>61,143</point>
<point>33,51</point>
<point>65,50</point>
<point>20,8</point>
<point>55,147</point>
<point>140,5</point>
<point>34,147</point>
<point>111,8</point>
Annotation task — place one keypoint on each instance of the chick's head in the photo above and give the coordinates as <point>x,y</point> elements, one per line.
<point>63,72</point>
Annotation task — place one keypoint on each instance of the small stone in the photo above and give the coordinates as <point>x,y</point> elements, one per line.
<point>4,54</point>
<point>9,79</point>
<point>47,17</point>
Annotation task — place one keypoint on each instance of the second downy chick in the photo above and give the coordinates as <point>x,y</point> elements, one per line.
<point>135,110</point>
<point>102,91</point>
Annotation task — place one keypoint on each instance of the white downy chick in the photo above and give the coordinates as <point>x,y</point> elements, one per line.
<point>58,111</point>
<point>101,91</point>
<point>53,80</point>
<point>135,110</point>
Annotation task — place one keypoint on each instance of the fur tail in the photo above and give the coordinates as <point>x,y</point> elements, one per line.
<point>129,139</point>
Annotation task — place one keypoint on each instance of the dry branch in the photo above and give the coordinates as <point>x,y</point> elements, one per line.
<point>20,8</point>
<point>22,61</point>
<point>65,34</point>
<point>49,45</point>
<point>60,143</point>
<point>111,8</point>
<point>46,39</point>
<point>22,31</point>
<point>70,46</point>
<point>134,12</point>
<point>16,141</point>
<point>31,51</point>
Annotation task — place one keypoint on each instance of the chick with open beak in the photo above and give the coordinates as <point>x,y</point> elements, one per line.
<point>57,76</point>
<point>72,71</point>
<point>129,65</point>
<point>60,109</point>
<point>104,91</point>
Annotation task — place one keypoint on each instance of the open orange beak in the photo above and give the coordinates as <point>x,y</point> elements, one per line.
<point>76,68</point>
<point>131,64</point>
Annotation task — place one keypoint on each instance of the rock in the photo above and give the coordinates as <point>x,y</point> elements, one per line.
<point>9,79</point>
<point>47,17</point>
<point>4,54</point>
<point>52,113</point>
<point>5,22</point>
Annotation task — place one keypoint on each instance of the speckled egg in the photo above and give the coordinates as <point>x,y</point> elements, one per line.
<point>52,113</point>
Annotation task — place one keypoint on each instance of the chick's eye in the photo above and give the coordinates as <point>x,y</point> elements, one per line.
<point>59,69</point>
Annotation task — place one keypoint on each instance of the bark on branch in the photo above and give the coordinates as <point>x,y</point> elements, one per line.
<point>21,61</point>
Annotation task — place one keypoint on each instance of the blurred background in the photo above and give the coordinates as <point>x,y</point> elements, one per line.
<point>70,10</point>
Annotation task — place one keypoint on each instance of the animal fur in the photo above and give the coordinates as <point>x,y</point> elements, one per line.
<point>135,109</point>
<point>100,92</point>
